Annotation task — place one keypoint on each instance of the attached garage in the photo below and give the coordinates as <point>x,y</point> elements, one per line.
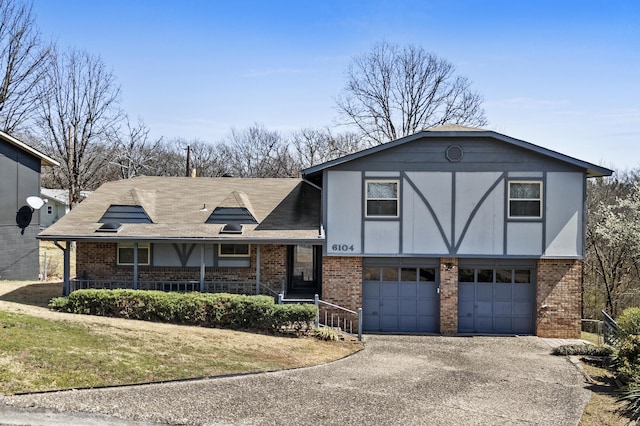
<point>496,299</point>
<point>400,298</point>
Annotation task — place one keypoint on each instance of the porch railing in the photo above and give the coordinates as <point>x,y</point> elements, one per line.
<point>333,316</point>
<point>234,287</point>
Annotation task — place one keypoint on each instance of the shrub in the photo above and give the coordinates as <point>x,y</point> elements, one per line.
<point>626,361</point>
<point>580,349</point>
<point>629,322</point>
<point>630,396</point>
<point>208,310</point>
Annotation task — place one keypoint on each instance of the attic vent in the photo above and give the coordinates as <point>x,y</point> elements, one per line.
<point>231,228</point>
<point>231,215</point>
<point>125,214</point>
<point>110,227</point>
<point>454,153</point>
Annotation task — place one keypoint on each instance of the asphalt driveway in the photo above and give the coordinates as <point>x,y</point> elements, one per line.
<point>394,380</point>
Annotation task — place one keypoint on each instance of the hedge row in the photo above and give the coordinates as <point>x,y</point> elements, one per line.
<point>220,310</point>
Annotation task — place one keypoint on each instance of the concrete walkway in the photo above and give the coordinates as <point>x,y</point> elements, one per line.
<point>395,380</point>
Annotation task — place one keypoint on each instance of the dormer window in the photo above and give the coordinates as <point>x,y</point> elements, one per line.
<point>239,215</point>
<point>125,214</point>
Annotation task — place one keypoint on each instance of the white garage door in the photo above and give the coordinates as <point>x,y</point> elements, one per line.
<point>400,299</point>
<point>496,300</point>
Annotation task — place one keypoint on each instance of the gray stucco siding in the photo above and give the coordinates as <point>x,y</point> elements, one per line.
<point>381,237</point>
<point>564,214</point>
<point>343,220</point>
<point>459,209</point>
<point>524,238</point>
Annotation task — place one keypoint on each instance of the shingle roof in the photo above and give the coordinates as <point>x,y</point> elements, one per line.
<point>286,209</point>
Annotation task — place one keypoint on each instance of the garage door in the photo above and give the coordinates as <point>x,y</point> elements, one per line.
<point>496,300</point>
<point>400,299</point>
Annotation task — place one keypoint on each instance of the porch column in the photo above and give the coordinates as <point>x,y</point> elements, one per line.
<point>257,268</point>
<point>135,265</point>
<point>67,269</point>
<point>202,268</point>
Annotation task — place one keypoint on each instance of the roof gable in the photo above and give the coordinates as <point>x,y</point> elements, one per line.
<point>455,133</point>
<point>44,159</point>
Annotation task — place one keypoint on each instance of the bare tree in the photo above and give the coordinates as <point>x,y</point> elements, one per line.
<point>135,152</point>
<point>23,58</point>
<point>393,92</point>
<point>79,111</point>
<point>316,146</point>
<point>257,152</point>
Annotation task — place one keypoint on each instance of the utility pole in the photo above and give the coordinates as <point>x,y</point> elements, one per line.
<point>188,172</point>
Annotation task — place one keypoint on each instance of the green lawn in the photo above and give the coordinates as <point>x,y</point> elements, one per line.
<point>39,354</point>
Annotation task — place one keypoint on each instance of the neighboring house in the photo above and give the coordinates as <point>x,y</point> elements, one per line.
<point>453,230</point>
<point>56,205</point>
<point>20,167</point>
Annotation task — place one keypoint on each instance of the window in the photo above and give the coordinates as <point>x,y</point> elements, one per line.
<point>233,250</point>
<point>125,253</point>
<point>382,198</point>
<point>125,214</point>
<point>49,209</point>
<point>525,200</point>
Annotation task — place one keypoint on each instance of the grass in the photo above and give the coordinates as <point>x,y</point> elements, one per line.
<point>42,350</point>
<point>602,408</point>
<point>55,261</point>
<point>592,338</point>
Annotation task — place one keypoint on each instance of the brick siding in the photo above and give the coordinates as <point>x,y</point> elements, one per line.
<point>448,296</point>
<point>342,281</point>
<point>559,290</point>
<point>97,261</point>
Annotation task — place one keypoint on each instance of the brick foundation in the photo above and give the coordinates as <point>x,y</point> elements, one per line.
<point>559,285</point>
<point>97,261</point>
<point>342,281</point>
<point>448,296</point>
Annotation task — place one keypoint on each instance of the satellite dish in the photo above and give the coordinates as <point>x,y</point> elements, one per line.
<point>35,203</point>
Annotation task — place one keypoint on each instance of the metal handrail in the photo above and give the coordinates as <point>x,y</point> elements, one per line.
<point>610,329</point>
<point>335,320</point>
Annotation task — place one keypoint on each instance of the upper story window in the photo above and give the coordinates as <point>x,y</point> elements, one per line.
<point>125,253</point>
<point>525,199</point>
<point>382,198</point>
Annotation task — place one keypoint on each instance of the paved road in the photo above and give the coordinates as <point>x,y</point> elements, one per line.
<point>395,380</point>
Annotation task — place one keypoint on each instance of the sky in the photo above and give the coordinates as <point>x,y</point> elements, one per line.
<point>564,75</point>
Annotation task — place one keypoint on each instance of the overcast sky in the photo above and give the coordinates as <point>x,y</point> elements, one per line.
<point>561,74</point>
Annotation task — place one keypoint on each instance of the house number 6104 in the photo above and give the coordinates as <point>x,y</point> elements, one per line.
<point>342,247</point>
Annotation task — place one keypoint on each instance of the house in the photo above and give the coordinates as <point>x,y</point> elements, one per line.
<point>453,230</point>
<point>56,205</point>
<point>20,167</point>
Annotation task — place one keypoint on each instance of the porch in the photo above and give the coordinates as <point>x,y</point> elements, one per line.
<point>213,286</point>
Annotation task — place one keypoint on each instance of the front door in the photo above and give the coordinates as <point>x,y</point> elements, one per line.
<point>304,268</point>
